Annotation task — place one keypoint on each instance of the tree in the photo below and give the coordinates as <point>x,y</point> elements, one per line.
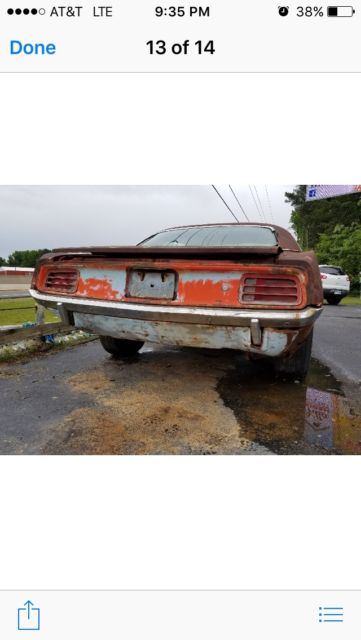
<point>26,258</point>
<point>2,262</point>
<point>312,219</point>
<point>342,248</point>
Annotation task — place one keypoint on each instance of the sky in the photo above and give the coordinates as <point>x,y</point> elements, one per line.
<point>39,217</point>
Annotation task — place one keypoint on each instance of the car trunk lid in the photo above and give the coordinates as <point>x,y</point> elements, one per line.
<point>246,277</point>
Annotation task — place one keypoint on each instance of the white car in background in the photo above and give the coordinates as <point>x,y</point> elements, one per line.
<point>335,283</point>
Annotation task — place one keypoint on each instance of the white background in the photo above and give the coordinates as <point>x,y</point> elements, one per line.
<point>183,522</point>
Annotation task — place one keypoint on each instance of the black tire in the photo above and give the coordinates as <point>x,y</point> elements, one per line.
<point>296,365</point>
<point>333,300</point>
<point>120,348</point>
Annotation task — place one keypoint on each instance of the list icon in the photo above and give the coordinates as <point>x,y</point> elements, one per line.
<point>330,614</point>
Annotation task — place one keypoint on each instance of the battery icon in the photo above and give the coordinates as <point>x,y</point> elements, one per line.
<point>340,12</point>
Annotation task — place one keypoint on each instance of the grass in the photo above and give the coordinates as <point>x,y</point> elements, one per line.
<point>353,299</point>
<point>21,310</point>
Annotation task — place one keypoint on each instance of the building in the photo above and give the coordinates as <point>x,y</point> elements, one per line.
<point>15,278</point>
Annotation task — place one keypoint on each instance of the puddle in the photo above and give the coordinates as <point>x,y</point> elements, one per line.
<point>293,418</point>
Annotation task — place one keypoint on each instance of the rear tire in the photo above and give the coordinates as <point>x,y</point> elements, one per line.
<point>118,347</point>
<point>333,300</point>
<point>296,365</point>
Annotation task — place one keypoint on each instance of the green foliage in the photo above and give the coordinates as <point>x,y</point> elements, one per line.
<point>342,248</point>
<point>2,262</point>
<point>26,258</point>
<point>312,219</point>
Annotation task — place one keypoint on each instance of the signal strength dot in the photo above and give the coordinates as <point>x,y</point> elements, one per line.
<point>26,12</point>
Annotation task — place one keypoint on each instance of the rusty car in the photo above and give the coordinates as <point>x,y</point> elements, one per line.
<point>238,286</point>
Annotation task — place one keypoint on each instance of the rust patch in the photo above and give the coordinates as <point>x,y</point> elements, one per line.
<point>97,289</point>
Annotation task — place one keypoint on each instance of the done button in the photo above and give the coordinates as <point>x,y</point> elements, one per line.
<point>17,47</point>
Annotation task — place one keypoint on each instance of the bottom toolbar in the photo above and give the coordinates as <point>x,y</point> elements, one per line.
<point>180,615</point>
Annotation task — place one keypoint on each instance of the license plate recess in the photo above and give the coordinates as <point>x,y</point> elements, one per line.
<point>148,283</point>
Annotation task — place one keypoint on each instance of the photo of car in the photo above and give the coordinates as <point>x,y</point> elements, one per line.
<point>244,286</point>
<point>335,283</point>
<point>178,320</point>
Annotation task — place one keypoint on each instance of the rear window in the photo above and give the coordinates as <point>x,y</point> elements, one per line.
<point>332,271</point>
<point>219,236</point>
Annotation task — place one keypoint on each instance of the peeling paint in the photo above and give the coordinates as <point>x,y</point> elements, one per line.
<point>197,282</point>
<point>102,285</point>
<point>273,344</point>
<point>208,288</point>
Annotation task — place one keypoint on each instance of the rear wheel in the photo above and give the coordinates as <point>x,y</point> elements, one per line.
<point>119,347</point>
<point>333,300</point>
<point>296,365</point>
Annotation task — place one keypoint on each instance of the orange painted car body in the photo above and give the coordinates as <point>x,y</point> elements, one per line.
<point>263,298</point>
<point>199,283</point>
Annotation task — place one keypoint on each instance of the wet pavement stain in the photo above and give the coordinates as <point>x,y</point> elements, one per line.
<point>166,404</point>
<point>173,401</point>
<point>293,417</point>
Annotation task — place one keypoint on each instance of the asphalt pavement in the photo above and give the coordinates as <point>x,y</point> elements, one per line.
<point>337,341</point>
<point>14,294</point>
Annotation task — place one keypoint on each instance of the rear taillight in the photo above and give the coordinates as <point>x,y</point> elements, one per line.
<point>64,281</point>
<point>323,276</point>
<point>347,278</point>
<point>276,290</point>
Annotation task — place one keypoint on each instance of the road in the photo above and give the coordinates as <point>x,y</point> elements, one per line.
<point>5,295</point>
<point>185,401</point>
<point>337,341</point>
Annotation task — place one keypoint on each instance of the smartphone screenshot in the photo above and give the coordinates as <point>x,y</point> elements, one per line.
<point>180,409</point>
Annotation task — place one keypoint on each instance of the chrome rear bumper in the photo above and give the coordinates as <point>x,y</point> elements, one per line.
<point>188,315</point>
<point>270,333</point>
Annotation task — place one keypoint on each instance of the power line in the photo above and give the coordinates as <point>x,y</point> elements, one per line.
<point>260,203</point>
<point>255,202</point>
<point>269,203</point>
<point>242,209</point>
<point>225,203</point>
